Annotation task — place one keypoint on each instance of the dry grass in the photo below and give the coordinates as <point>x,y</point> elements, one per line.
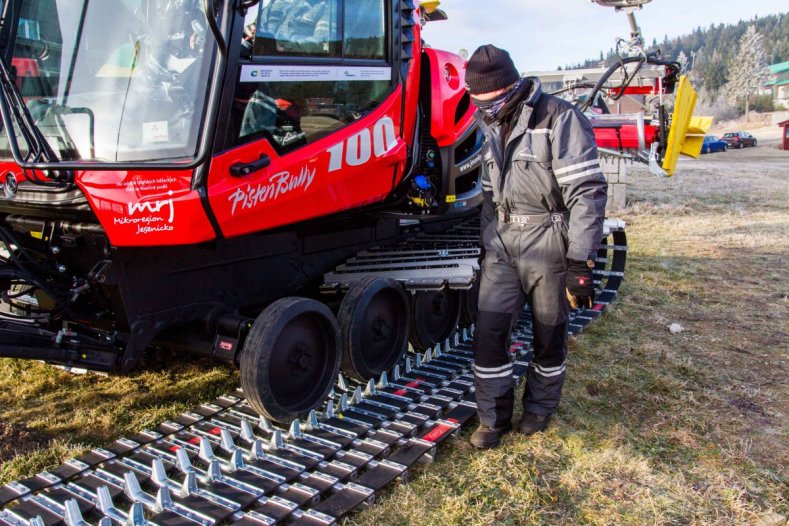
<point>48,415</point>
<point>654,428</point>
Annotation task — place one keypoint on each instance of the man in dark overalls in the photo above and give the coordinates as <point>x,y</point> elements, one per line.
<point>542,221</point>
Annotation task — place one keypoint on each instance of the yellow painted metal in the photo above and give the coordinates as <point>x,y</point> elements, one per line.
<point>429,5</point>
<point>694,138</point>
<point>680,125</point>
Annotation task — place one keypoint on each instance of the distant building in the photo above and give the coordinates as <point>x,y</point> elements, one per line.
<point>778,82</point>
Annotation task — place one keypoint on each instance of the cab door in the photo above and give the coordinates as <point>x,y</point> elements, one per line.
<point>314,123</point>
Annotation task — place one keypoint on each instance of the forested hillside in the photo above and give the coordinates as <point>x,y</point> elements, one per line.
<point>708,54</point>
<point>710,50</point>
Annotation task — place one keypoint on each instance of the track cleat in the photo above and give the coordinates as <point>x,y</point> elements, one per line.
<point>383,381</point>
<point>329,412</point>
<point>226,441</point>
<point>342,404</point>
<point>104,521</point>
<point>417,361</point>
<point>134,492</point>
<point>265,424</point>
<point>182,462</point>
<point>295,429</point>
<point>136,516</point>
<point>206,450</point>
<point>312,421</point>
<point>342,383</point>
<point>408,365</point>
<point>163,500</point>
<point>276,442</point>
<point>465,334</point>
<point>428,355</point>
<point>73,516</point>
<point>36,521</point>
<point>189,485</point>
<point>214,471</point>
<point>159,473</point>
<point>257,450</point>
<point>247,433</point>
<point>455,339</point>
<point>107,507</point>
<point>396,373</point>
<point>237,459</point>
<point>357,396</point>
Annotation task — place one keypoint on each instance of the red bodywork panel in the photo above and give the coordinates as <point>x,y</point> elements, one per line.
<point>627,137</point>
<point>448,87</point>
<point>356,165</point>
<point>142,208</point>
<point>147,208</point>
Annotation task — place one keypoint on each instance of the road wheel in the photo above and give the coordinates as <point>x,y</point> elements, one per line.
<point>290,358</point>
<point>741,145</point>
<point>725,147</point>
<point>374,324</point>
<point>754,143</point>
<point>434,315</point>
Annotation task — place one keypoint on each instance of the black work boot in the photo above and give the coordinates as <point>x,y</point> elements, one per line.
<point>488,437</point>
<point>531,423</point>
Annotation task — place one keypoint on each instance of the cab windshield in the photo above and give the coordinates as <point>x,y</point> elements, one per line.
<point>113,81</point>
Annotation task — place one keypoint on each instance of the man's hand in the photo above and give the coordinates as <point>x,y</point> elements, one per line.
<point>580,287</point>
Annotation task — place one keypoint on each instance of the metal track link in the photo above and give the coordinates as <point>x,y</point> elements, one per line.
<point>223,464</point>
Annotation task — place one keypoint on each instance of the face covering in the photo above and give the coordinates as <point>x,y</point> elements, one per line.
<point>492,107</point>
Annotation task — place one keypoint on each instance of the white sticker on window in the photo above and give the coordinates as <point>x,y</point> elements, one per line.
<point>155,132</point>
<point>256,73</point>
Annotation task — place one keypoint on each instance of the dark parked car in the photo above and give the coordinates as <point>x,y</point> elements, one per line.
<point>713,144</point>
<point>739,139</point>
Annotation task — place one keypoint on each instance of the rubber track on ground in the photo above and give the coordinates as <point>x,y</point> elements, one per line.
<point>221,464</point>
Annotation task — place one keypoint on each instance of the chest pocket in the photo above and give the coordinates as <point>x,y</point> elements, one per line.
<point>534,147</point>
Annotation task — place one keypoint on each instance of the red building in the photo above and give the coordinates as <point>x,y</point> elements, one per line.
<point>785,134</point>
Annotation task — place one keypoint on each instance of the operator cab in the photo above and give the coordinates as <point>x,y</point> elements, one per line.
<point>312,67</point>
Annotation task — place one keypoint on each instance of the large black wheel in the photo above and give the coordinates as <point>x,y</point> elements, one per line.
<point>374,326</point>
<point>290,358</point>
<point>469,305</point>
<point>434,315</point>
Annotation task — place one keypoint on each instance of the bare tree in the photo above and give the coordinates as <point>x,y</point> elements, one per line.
<point>748,69</point>
<point>683,61</point>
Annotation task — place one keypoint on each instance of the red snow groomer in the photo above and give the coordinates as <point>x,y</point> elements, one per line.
<point>184,174</point>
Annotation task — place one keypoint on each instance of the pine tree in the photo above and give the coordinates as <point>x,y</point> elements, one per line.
<point>747,70</point>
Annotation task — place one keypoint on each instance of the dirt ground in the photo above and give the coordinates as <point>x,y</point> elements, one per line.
<point>655,428</point>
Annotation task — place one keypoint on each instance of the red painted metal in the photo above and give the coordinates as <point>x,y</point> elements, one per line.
<point>447,88</point>
<point>785,126</point>
<point>627,137</point>
<point>305,183</point>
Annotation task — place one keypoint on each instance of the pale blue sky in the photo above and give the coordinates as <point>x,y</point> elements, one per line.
<point>543,34</point>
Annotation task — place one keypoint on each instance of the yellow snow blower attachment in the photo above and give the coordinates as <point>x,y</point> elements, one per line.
<point>687,132</point>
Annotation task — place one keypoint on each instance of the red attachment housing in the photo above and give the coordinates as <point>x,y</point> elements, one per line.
<point>624,136</point>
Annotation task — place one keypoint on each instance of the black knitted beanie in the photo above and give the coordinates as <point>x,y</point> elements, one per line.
<point>490,69</point>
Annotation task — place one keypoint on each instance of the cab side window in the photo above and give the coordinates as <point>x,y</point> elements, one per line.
<point>292,101</point>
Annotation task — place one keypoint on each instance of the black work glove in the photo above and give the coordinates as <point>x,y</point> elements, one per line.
<point>580,286</point>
